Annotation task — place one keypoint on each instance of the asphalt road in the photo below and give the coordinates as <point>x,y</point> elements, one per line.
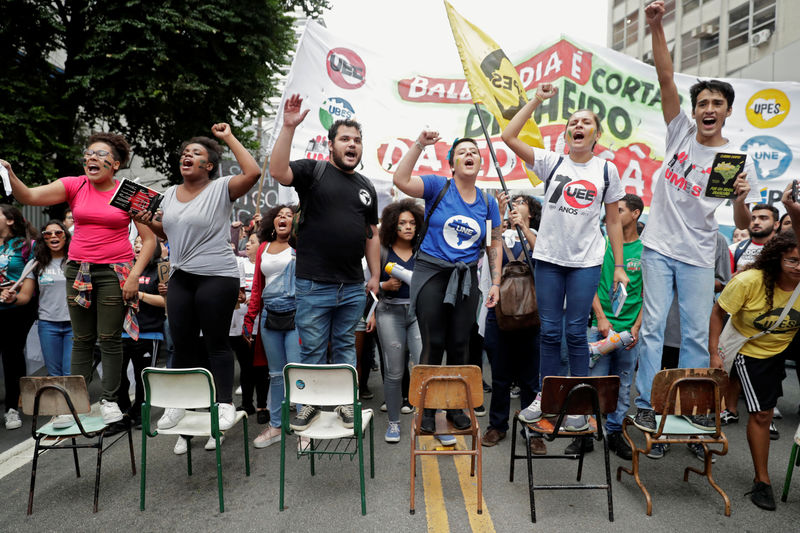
<point>329,501</point>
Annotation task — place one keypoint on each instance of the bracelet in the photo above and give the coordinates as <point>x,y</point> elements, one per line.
<point>539,97</point>
<point>419,145</point>
<point>495,284</point>
<point>619,266</point>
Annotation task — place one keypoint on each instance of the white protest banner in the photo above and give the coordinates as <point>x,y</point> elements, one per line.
<point>340,79</point>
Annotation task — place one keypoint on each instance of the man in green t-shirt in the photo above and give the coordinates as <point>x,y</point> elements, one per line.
<point>622,361</point>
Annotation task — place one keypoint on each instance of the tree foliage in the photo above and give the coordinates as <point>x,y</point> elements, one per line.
<point>158,72</point>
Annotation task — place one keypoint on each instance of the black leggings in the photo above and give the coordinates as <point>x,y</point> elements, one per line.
<point>135,351</point>
<point>206,303</point>
<point>250,377</point>
<point>445,327</point>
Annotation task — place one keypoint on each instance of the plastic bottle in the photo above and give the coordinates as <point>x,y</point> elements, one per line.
<point>614,341</point>
<point>399,272</point>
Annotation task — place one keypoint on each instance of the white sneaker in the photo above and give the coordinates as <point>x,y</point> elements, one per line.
<point>238,391</point>
<point>532,413</point>
<point>13,420</point>
<point>171,417</point>
<point>269,436</point>
<point>63,421</point>
<point>776,414</point>
<point>227,416</point>
<point>211,443</point>
<point>110,412</point>
<point>181,447</point>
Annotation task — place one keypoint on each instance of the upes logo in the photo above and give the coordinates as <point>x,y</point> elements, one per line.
<point>767,108</point>
<point>578,194</point>
<point>333,109</point>
<point>345,68</point>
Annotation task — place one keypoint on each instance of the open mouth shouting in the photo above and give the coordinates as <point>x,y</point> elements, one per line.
<point>709,122</point>
<point>93,168</point>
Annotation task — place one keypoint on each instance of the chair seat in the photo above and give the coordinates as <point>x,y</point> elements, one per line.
<point>547,426</point>
<point>90,424</point>
<point>677,425</point>
<point>196,424</point>
<point>330,426</point>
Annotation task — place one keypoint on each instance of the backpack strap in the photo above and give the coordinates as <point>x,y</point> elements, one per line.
<point>552,172</point>
<point>424,229</point>
<point>740,249</point>
<point>507,251</point>
<point>319,170</point>
<point>605,180</point>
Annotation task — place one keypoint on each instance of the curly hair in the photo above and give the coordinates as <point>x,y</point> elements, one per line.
<point>266,230</point>
<point>770,260</point>
<point>212,147</point>
<point>41,252</point>
<point>119,146</point>
<point>534,209</point>
<point>19,226</point>
<point>391,216</point>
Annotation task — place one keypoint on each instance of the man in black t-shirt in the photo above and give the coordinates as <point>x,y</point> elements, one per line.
<point>338,227</point>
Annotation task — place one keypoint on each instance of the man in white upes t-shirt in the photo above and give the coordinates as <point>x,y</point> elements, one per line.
<point>680,236</point>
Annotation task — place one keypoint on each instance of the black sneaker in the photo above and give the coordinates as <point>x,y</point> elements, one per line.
<point>304,417</point>
<point>487,388</point>
<point>773,433</point>
<point>345,412</point>
<point>480,410</point>
<point>658,450</point>
<point>761,495</point>
<point>618,445</point>
<point>645,420</point>
<point>428,424</point>
<point>366,394</point>
<point>697,449</point>
<point>706,422</point>
<point>458,418</point>
<point>574,447</point>
<point>728,417</point>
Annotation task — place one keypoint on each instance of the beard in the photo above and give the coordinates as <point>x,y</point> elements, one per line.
<point>766,232</point>
<point>339,162</point>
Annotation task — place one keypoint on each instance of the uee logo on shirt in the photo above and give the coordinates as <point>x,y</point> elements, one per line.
<point>578,194</point>
<point>461,232</point>
<point>365,197</point>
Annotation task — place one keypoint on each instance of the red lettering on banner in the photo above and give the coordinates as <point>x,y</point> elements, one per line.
<point>563,59</point>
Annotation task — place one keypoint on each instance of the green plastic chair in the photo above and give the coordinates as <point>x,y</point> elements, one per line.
<point>187,388</point>
<point>66,395</point>
<point>794,460</point>
<point>327,385</point>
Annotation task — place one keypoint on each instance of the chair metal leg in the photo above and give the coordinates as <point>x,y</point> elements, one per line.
<point>513,449</point>
<point>789,470</point>
<point>608,475</point>
<point>707,473</point>
<point>581,456</point>
<point>75,456</point>
<point>219,474</point>
<point>311,457</point>
<point>283,466</point>
<point>371,450</point>
<point>634,470</point>
<point>188,454</point>
<point>472,462</point>
<point>480,469</point>
<point>143,473</point>
<point>529,459</point>
<point>413,463</point>
<point>246,448</point>
<point>33,476</point>
<point>360,444</point>
<point>97,473</point>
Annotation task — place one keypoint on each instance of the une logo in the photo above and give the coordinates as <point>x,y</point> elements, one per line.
<point>345,68</point>
<point>770,155</point>
<point>767,108</point>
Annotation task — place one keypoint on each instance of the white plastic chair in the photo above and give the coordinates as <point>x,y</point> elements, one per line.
<point>186,388</point>
<point>327,385</point>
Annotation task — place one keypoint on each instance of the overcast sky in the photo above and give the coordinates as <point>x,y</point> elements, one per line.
<point>420,27</point>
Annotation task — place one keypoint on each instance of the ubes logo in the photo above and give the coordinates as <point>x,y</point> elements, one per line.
<point>767,108</point>
<point>346,69</point>
<point>333,109</point>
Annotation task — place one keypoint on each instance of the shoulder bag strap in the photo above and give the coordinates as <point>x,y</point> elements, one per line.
<point>424,229</point>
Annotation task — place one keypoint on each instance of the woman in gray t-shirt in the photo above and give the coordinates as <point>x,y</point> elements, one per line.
<point>204,277</point>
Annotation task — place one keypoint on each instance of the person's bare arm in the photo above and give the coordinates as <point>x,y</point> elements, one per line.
<point>243,182</point>
<point>131,286</point>
<point>50,194</point>
<point>614,230</point>
<point>670,101</point>
<point>402,178</point>
<point>512,130</point>
<point>715,326</point>
<point>279,158</point>
<point>372,252</point>
<point>493,253</point>
<point>20,297</point>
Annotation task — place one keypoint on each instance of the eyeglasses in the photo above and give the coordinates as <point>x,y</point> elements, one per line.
<point>99,153</point>
<point>57,233</point>
<point>791,262</point>
<point>517,201</point>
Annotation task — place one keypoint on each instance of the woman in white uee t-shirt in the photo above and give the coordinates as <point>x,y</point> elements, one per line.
<point>204,278</point>
<point>579,189</point>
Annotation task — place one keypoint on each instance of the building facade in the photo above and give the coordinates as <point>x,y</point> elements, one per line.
<point>756,39</point>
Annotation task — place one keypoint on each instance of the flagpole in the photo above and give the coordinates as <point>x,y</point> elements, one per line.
<point>521,235</point>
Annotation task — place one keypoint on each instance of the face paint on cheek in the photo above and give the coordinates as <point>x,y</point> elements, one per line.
<point>106,165</point>
<point>569,135</point>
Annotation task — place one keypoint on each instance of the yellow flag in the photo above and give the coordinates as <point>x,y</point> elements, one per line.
<point>493,80</point>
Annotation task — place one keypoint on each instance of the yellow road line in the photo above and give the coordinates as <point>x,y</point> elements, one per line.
<point>432,484</point>
<point>480,523</point>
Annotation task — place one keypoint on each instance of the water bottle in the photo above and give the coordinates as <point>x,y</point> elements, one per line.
<point>399,272</point>
<point>613,342</point>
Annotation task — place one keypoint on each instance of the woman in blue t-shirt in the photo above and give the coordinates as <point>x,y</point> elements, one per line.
<point>444,288</point>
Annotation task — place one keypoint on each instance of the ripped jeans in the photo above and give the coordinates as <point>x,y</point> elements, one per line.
<point>102,322</point>
<point>398,333</point>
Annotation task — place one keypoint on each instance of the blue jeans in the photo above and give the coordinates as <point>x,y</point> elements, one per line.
<point>328,312</point>
<point>56,341</point>
<point>399,335</point>
<point>553,283</point>
<point>661,277</point>
<point>281,347</point>
<point>620,362</point>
